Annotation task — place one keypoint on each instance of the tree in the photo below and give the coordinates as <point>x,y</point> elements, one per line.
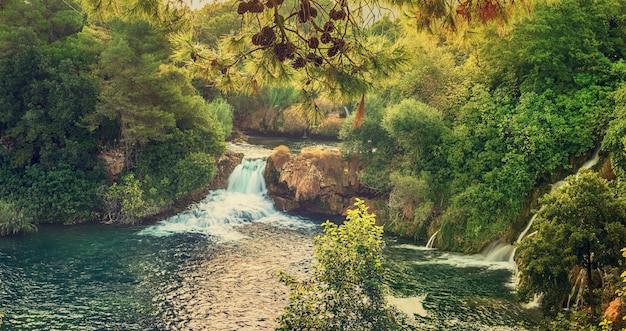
<point>346,290</point>
<point>581,226</point>
<point>614,141</point>
<point>321,46</point>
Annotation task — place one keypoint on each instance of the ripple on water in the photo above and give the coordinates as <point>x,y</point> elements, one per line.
<point>105,278</point>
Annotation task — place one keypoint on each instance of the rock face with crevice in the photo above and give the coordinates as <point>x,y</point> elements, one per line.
<point>317,180</point>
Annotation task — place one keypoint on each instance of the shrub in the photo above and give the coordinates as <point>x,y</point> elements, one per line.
<point>223,111</point>
<point>193,172</point>
<point>13,221</point>
<point>345,291</point>
<point>124,202</point>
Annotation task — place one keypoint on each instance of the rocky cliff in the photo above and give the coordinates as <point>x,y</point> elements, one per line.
<point>317,180</point>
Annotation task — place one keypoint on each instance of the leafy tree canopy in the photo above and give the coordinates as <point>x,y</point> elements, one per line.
<point>323,47</point>
<point>580,226</point>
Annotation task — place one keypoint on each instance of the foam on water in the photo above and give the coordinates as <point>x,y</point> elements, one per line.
<point>219,214</point>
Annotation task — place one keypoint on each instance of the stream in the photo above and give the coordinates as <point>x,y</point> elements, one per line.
<point>213,267</point>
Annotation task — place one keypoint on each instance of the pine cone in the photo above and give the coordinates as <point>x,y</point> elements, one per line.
<point>326,38</point>
<point>243,8</point>
<point>313,42</point>
<point>268,36</point>
<point>329,27</point>
<point>298,63</point>
<point>332,51</point>
<point>256,6</point>
<point>291,50</point>
<point>337,14</point>
<point>257,39</point>
<point>311,57</point>
<point>280,50</point>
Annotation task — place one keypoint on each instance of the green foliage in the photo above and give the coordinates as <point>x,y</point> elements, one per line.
<point>223,112</point>
<point>575,320</point>
<point>614,139</point>
<point>564,44</point>
<point>410,206</point>
<point>579,225</point>
<point>213,22</point>
<point>282,97</point>
<point>13,221</point>
<point>373,145</point>
<point>60,195</point>
<point>345,291</point>
<point>177,166</point>
<point>475,217</point>
<point>50,20</point>
<point>416,127</point>
<point>124,202</point>
<point>194,171</point>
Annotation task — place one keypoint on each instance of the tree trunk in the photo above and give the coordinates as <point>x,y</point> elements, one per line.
<point>589,282</point>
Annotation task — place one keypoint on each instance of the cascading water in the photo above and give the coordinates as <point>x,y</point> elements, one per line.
<point>244,201</point>
<point>431,240</point>
<point>247,178</point>
<point>502,252</point>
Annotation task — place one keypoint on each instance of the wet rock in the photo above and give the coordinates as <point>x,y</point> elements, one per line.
<point>317,180</point>
<point>225,166</point>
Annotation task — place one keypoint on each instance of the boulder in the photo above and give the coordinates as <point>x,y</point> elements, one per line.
<point>317,180</point>
<point>225,166</point>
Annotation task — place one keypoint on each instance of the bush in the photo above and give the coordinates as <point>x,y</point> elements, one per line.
<point>223,111</point>
<point>58,195</point>
<point>474,218</point>
<point>124,202</point>
<point>13,221</point>
<point>345,291</point>
<point>330,127</point>
<point>410,205</point>
<point>193,172</point>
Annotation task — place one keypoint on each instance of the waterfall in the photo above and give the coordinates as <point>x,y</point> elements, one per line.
<point>244,201</point>
<point>248,177</point>
<point>587,165</point>
<point>431,240</point>
<point>502,252</point>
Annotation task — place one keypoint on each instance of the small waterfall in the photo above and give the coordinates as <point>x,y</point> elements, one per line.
<point>498,251</point>
<point>587,165</point>
<point>248,177</point>
<point>515,280</point>
<point>502,252</point>
<point>244,201</point>
<point>431,240</point>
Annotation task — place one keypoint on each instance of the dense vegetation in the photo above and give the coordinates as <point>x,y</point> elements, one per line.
<point>81,98</point>
<point>461,139</point>
<point>115,117</point>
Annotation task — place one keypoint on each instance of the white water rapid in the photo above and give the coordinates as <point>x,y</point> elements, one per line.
<point>219,214</point>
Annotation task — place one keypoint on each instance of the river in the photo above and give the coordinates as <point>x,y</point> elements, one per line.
<point>214,267</point>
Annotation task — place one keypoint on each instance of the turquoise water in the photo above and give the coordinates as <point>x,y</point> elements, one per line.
<point>89,277</point>
<point>457,292</point>
<point>96,277</point>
